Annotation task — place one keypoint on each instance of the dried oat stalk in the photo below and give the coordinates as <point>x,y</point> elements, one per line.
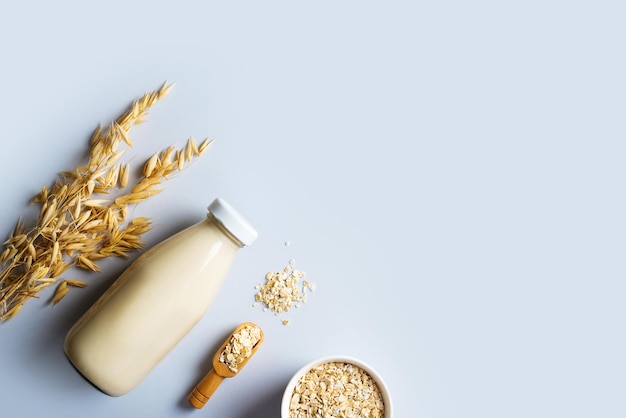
<point>80,220</point>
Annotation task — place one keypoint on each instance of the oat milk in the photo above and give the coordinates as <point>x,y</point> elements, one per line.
<point>156,301</point>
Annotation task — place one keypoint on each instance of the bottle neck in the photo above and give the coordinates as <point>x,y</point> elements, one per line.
<point>223,229</point>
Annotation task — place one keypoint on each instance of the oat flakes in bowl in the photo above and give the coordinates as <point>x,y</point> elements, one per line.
<point>336,386</point>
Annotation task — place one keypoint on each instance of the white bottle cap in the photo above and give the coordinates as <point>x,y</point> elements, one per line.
<point>233,221</point>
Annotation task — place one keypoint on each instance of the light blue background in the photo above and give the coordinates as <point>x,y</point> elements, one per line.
<point>451,175</point>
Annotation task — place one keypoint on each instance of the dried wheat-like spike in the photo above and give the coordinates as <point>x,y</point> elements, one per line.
<point>78,223</point>
<point>124,134</point>
<point>60,292</point>
<point>76,283</point>
<point>10,313</point>
<point>86,263</point>
<point>124,175</point>
<point>189,149</point>
<point>150,165</point>
<point>204,146</point>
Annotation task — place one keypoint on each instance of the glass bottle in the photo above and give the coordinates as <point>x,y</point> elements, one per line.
<point>156,301</point>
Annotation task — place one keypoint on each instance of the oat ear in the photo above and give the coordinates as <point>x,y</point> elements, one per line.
<point>76,229</point>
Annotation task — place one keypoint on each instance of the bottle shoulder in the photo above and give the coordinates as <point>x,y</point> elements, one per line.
<point>202,235</point>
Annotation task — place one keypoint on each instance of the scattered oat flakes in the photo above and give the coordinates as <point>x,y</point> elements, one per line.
<point>336,390</point>
<point>240,346</point>
<point>285,322</point>
<point>283,289</point>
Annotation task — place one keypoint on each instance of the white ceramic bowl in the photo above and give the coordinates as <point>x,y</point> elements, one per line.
<point>284,406</point>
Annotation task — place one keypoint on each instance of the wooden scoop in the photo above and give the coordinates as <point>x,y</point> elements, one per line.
<point>203,390</point>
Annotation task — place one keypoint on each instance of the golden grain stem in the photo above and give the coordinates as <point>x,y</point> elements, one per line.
<point>33,259</point>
